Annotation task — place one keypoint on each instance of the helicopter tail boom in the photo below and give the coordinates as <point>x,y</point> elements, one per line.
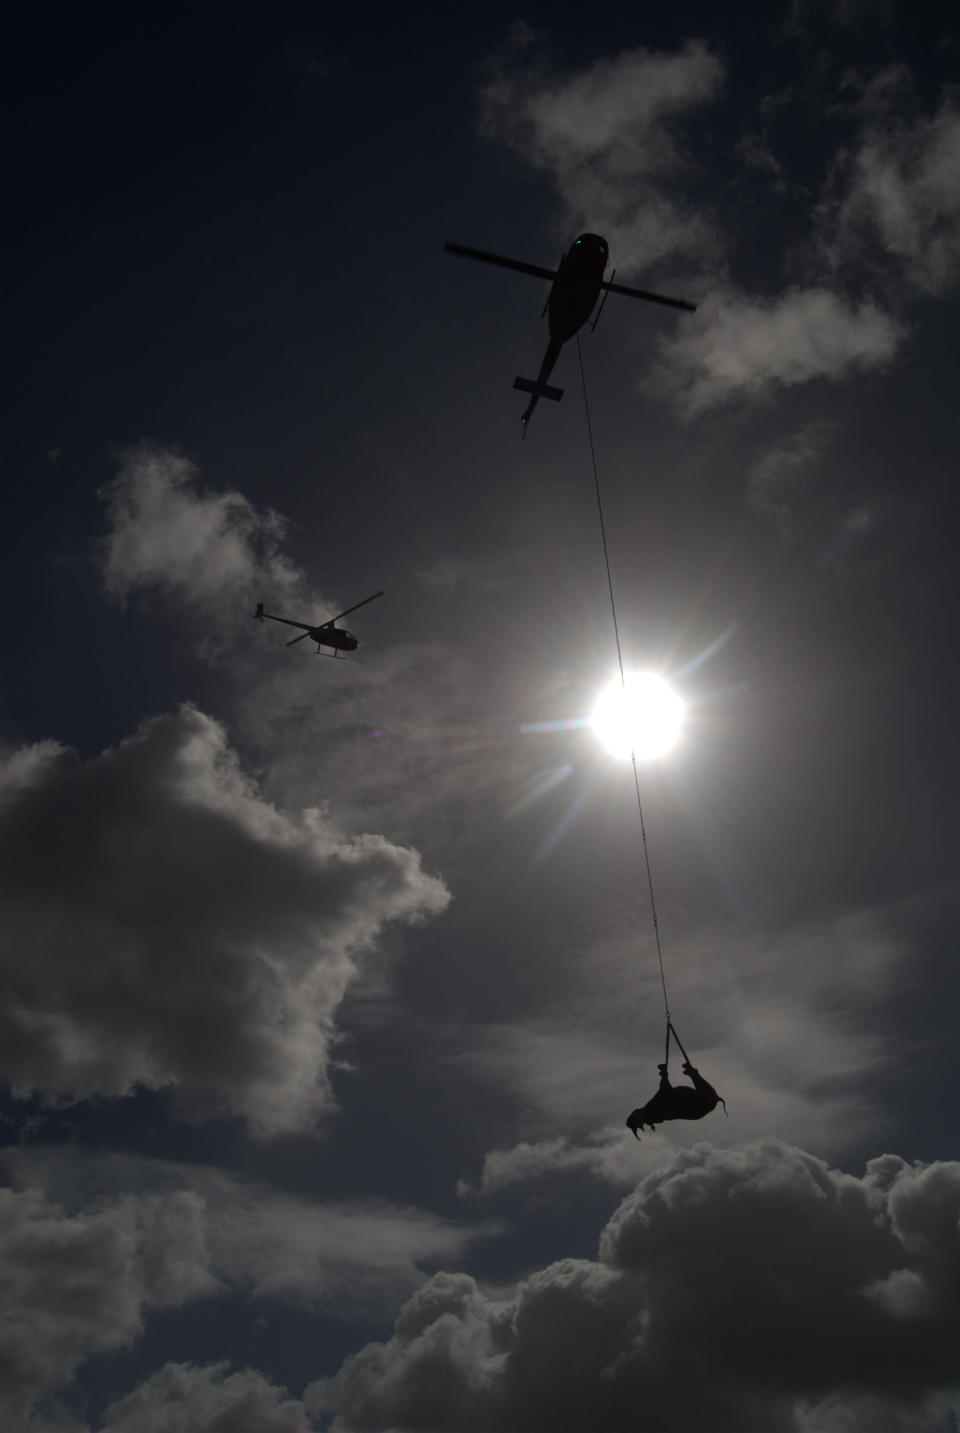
<point>542,390</point>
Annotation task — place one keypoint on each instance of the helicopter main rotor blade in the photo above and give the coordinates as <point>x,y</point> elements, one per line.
<point>651,298</point>
<point>351,609</point>
<point>293,642</point>
<point>518,264</point>
<point>287,621</point>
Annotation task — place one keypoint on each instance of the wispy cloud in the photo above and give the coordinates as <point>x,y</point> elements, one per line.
<point>895,193</point>
<point>209,550</point>
<point>851,14</point>
<point>782,474</point>
<point>611,139</point>
<point>544,1165</point>
<point>128,1236</point>
<point>742,347</point>
<point>780,1024</point>
<point>205,556</point>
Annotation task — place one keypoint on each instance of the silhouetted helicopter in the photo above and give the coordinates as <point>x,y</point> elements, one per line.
<point>576,287</point>
<point>325,634</point>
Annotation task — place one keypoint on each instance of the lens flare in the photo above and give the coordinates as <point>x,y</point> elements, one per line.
<point>643,717</point>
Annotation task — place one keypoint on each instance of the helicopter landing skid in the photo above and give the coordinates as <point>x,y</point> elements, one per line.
<point>593,325</point>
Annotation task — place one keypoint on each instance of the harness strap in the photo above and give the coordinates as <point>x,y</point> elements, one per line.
<point>666,1054</point>
<point>672,1031</point>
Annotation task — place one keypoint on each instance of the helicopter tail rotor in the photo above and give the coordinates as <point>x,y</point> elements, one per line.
<point>542,390</point>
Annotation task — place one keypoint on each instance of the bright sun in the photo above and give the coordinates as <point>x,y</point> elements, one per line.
<point>644,718</point>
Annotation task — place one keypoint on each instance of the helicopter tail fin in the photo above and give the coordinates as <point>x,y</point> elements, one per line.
<point>259,612</point>
<point>540,390</point>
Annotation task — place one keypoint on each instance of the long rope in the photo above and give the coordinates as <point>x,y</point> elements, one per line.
<point>623,685</point>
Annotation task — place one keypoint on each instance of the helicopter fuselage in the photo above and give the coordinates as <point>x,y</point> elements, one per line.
<point>336,637</point>
<point>570,303</point>
<point>325,634</point>
<point>577,286</point>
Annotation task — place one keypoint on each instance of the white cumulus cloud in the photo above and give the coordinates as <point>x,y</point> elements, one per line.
<point>166,926</point>
<point>182,1398</point>
<point>733,1290</point>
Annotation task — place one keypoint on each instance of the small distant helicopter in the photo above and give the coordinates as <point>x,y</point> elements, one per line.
<point>325,634</point>
<point>576,287</point>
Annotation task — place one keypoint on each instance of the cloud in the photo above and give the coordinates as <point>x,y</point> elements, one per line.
<point>166,926</point>
<point>451,571</point>
<point>733,1290</point>
<point>850,14</point>
<point>77,1285</point>
<point>781,475</point>
<point>608,138</point>
<point>740,347</point>
<point>207,557</point>
<point>99,1242</point>
<point>784,1025</point>
<point>181,1398</point>
<point>212,551</point>
<point>896,190</point>
<point>793,482</point>
<point>606,1155</point>
<point>354,1260</point>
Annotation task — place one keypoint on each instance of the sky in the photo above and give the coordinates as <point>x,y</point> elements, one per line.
<point>329,986</point>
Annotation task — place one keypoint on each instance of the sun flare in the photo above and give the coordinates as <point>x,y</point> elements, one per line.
<point>643,718</point>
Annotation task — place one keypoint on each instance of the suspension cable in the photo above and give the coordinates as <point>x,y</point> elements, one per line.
<point>623,687</point>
